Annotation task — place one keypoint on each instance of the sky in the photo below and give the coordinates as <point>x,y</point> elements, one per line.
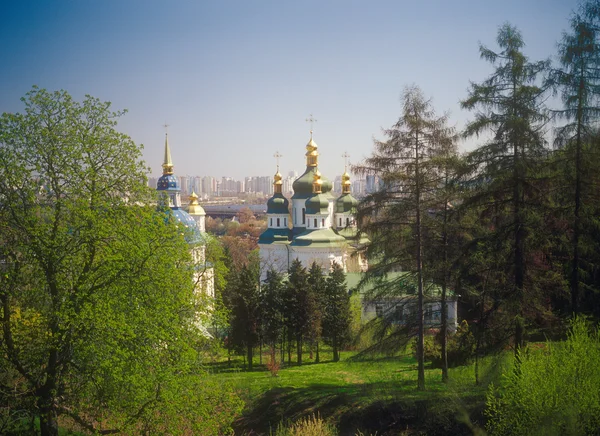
<point>236,80</point>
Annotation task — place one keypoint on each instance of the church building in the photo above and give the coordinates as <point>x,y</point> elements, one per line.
<point>193,221</point>
<point>318,228</point>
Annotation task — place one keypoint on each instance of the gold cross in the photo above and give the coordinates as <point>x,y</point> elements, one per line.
<point>277,156</point>
<point>345,156</point>
<point>311,120</point>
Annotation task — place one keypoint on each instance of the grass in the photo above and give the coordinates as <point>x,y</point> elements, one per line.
<point>369,396</point>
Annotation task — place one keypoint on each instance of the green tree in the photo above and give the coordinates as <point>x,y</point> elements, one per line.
<point>96,289</point>
<point>272,319</point>
<point>393,215</point>
<point>316,282</point>
<point>337,316</point>
<point>509,104</point>
<point>299,304</point>
<point>578,81</point>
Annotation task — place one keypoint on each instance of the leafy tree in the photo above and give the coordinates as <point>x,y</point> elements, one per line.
<point>393,215</point>
<point>337,316</point>
<point>96,289</point>
<point>509,104</point>
<point>578,80</point>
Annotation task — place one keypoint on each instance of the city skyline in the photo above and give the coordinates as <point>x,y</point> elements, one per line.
<point>236,81</point>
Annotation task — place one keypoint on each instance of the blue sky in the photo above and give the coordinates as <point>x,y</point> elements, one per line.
<point>235,80</point>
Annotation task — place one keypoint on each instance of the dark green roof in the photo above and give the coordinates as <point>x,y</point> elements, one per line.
<point>317,204</point>
<point>346,203</point>
<point>303,185</point>
<point>278,204</point>
<point>275,236</point>
<point>318,238</point>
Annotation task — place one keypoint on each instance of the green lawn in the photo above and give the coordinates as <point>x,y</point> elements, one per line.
<point>377,395</point>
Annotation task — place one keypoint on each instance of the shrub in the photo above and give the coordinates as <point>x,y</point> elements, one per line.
<point>553,390</point>
<point>461,345</point>
<point>309,426</point>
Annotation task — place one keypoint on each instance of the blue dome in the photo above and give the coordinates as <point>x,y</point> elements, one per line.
<point>167,182</point>
<point>193,235</point>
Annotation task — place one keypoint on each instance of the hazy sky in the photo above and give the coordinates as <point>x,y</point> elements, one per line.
<point>236,80</point>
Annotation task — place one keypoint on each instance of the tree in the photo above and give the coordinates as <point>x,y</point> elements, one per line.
<point>299,304</point>
<point>316,283</point>
<point>393,215</point>
<point>96,287</point>
<point>244,300</point>
<point>336,319</point>
<point>578,80</point>
<point>272,320</point>
<point>510,106</point>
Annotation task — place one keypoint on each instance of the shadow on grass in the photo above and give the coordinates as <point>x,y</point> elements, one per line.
<point>372,408</point>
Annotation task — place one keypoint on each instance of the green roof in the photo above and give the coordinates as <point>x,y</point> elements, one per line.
<point>319,238</point>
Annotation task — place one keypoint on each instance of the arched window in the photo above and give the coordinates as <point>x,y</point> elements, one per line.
<point>340,221</point>
<point>303,216</point>
<point>271,222</point>
<point>315,223</point>
<point>285,222</point>
<point>347,221</point>
<point>278,222</point>
<point>323,222</point>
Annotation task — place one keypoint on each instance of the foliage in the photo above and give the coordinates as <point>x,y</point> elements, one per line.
<point>312,425</point>
<point>96,287</point>
<point>336,302</point>
<point>408,167</point>
<point>461,346</point>
<point>553,391</point>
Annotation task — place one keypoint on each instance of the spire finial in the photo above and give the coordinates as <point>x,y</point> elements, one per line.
<point>167,163</point>
<point>277,156</point>
<point>312,121</point>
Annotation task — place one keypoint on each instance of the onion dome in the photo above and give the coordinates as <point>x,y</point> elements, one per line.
<point>192,234</point>
<point>167,182</point>
<point>194,207</point>
<point>346,203</point>
<point>278,204</point>
<point>318,204</point>
<point>303,185</point>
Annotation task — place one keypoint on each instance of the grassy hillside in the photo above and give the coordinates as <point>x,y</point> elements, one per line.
<point>371,396</point>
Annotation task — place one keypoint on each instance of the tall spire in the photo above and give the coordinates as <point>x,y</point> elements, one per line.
<point>311,148</point>
<point>167,163</point>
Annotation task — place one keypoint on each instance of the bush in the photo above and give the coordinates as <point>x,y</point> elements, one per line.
<point>552,390</point>
<point>309,426</point>
<point>461,346</point>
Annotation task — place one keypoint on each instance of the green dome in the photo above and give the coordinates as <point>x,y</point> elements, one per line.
<point>317,204</point>
<point>278,204</point>
<point>303,185</point>
<point>346,203</point>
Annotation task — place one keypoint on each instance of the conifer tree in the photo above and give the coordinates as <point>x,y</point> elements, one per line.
<point>336,320</point>
<point>316,283</point>
<point>509,105</point>
<point>578,81</point>
<point>299,304</point>
<point>393,215</point>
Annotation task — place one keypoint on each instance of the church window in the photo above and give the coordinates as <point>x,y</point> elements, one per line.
<point>315,223</point>
<point>285,222</point>
<point>278,222</point>
<point>303,216</point>
<point>347,221</point>
<point>271,222</point>
<point>323,222</point>
<point>340,222</point>
<point>379,310</point>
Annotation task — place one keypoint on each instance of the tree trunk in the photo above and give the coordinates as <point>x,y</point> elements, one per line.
<point>48,417</point>
<point>419,261</point>
<point>336,354</point>
<point>317,359</point>
<point>299,349</point>
<point>444,334</point>
<point>249,354</point>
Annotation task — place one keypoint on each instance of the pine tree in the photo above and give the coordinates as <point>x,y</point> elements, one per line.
<point>299,304</point>
<point>316,283</point>
<point>336,321</point>
<point>393,215</point>
<point>509,104</point>
<point>578,81</point>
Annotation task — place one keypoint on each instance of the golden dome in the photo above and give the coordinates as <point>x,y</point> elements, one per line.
<point>317,183</point>
<point>194,207</point>
<point>346,183</point>
<point>312,153</point>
